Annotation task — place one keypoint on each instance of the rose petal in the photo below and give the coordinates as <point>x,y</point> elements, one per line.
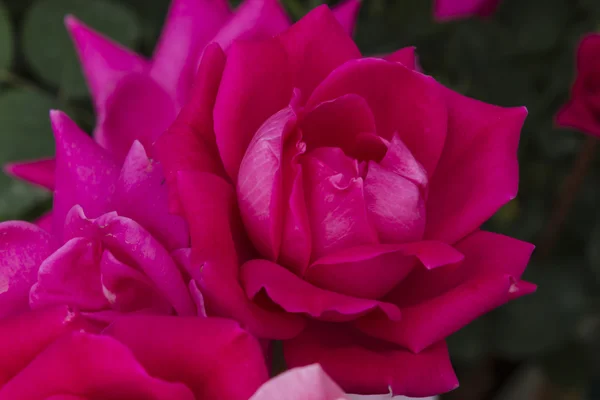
<point>405,56</point>
<point>210,208</point>
<point>221,353</point>
<point>39,172</point>
<point>361,365</point>
<point>346,14</point>
<point>297,296</point>
<point>478,171</point>
<point>311,57</point>
<point>305,383</point>
<point>372,271</point>
<point>403,101</point>
<point>189,26</point>
<point>452,9</point>
<point>45,221</point>
<point>23,247</point>
<point>256,84</point>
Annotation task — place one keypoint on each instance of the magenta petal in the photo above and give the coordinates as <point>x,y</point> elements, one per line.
<point>90,366</point>
<point>255,85</point>
<point>478,172</point>
<point>138,109</point>
<point>207,354</point>
<point>23,247</point>
<point>405,56</point>
<point>104,61</point>
<point>297,296</point>
<point>86,173</point>
<point>304,383</point>
<point>389,87</point>
<point>190,25</point>
<point>45,221</point>
<point>437,303</point>
<point>372,271</point>
<point>142,196</point>
<point>209,205</point>
<point>254,19</point>
<point>312,58</point>
<point>260,183</point>
<point>346,14</point>
<point>359,365</point>
<point>39,172</point>
<point>452,9</point>
<point>23,336</point>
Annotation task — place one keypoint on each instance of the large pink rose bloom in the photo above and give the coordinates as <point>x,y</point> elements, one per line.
<point>335,203</point>
<point>444,10</point>
<point>136,98</point>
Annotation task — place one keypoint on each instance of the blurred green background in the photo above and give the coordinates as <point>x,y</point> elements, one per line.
<point>545,346</point>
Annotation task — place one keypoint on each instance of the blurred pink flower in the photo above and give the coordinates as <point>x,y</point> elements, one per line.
<point>335,203</point>
<point>453,9</point>
<point>582,111</point>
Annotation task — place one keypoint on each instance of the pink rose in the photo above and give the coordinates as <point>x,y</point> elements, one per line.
<point>136,98</point>
<point>582,111</point>
<point>335,203</point>
<point>444,10</point>
<point>47,355</point>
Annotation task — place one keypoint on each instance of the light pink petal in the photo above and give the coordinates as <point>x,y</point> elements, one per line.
<point>71,276</point>
<point>211,211</point>
<point>214,357</point>
<point>478,172</point>
<point>45,221</point>
<point>256,84</point>
<point>346,14</point>
<point>403,101</point>
<point>437,303</point>
<point>336,203</point>
<point>260,183</point>
<point>372,271</point>
<point>142,196</point>
<point>39,172</point>
<point>254,19</point>
<point>297,296</point>
<point>304,383</point>
<point>104,62</point>
<point>311,57</point>
<point>366,366</point>
<point>23,247</point>
<point>452,9</point>
<point>189,143</point>
<point>90,366</point>
<point>190,25</point>
<point>23,336</point>
<point>86,174</point>
<point>399,159</point>
<point>138,109</point>
<point>198,298</point>
<point>125,237</point>
<point>405,56</point>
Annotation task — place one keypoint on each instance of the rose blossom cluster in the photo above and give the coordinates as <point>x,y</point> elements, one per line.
<point>257,181</point>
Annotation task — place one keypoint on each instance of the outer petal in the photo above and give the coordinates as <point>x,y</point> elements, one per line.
<point>207,354</point>
<point>86,173</point>
<point>452,9</point>
<point>45,221</point>
<point>346,14</point>
<point>437,303</point>
<point>142,196</point>
<point>478,172</point>
<point>372,271</point>
<point>403,101</point>
<point>190,25</point>
<point>254,19</point>
<point>405,56</point>
<point>23,247</point>
<point>209,205</point>
<point>138,109</point>
<point>311,57</point>
<point>297,296</point>
<point>104,61</point>
<point>39,172</point>
<point>305,383</point>
<point>256,84</point>
<point>362,365</point>
<point>90,366</point>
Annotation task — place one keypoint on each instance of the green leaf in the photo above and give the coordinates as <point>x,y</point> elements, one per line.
<point>48,48</point>
<point>6,39</point>
<point>25,134</point>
